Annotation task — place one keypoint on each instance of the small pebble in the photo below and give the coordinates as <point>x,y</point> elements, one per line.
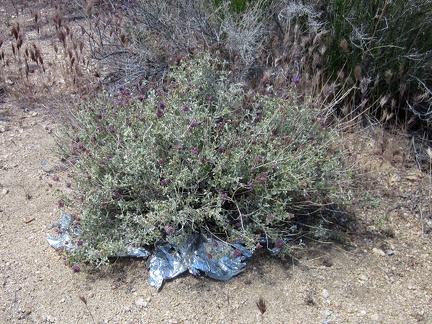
<point>140,303</point>
<point>378,252</point>
<point>325,294</point>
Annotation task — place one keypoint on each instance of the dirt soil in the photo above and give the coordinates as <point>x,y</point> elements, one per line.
<point>381,276</point>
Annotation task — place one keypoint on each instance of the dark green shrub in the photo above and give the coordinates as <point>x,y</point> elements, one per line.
<point>384,48</point>
<point>199,156</point>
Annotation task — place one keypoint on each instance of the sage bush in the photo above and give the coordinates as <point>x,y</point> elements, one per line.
<point>199,154</point>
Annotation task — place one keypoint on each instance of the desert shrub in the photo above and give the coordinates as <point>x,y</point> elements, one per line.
<point>199,155</point>
<point>384,48</point>
<point>141,38</point>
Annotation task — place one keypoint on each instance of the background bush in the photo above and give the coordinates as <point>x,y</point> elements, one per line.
<point>384,48</point>
<point>199,155</point>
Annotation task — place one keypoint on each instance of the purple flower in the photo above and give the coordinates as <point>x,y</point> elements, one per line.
<point>279,243</point>
<point>118,193</point>
<point>224,196</point>
<point>194,124</point>
<point>160,113</point>
<point>104,204</point>
<point>221,149</point>
<point>170,230</point>
<point>186,108</point>
<point>61,204</point>
<point>75,268</point>
<point>194,151</point>
<point>261,178</point>
<point>165,182</point>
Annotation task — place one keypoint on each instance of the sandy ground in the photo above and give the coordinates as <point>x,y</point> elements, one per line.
<point>382,276</point>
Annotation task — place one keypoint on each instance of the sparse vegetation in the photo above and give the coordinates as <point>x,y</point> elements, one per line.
<point>273,68</point>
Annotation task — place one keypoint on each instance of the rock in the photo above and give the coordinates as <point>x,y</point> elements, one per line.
<point>141,303</point>
<point>363,277</point>
<point>5,191</point>
<point>390,252</point>
<point>378,252</point>
<point>325,294</point>
<point>34,114</point>
<point>374,317</point>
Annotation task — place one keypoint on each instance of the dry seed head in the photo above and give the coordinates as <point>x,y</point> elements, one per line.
<point>62,38</point>
<point>388,75</point>
<point>364,83</point>
<point>304,41</point>
<point>261,304</point>
<point>344,45</point>
<point>357,72</point>
<point>429,152</point>
<point>316,61</point>
<point>15,30</point>
<point>317,39</point>
<point>377,80</point>
<point>322,49</point>
<point>401,70</point>
<point>383,100</point>
<point>402,88</point>
<point>58,20</point>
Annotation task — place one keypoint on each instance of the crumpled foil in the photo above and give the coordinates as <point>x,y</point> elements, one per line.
<point>194,252</point>
<point>67,234</point>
